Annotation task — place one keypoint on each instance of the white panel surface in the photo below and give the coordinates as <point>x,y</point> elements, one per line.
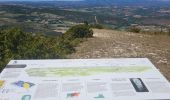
<point>83,79</point>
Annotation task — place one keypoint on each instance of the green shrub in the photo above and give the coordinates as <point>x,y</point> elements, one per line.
<point>16,44</point>
<point>169,31</point>
<point>78,31</point>
<point>76,41</point>
<point>134,29</point>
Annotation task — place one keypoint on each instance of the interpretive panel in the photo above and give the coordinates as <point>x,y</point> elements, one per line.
<point>83,79</point>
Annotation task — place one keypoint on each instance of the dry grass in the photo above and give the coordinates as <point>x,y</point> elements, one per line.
<point>115,44</point>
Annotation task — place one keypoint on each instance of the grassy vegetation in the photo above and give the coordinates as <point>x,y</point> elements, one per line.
<point>136,29</point>
<point>16,44</point>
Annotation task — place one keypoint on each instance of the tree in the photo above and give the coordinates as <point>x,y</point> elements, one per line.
<point>86,23</point>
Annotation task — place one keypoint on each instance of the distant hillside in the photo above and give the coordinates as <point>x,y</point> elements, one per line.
<point>87,3</point>
<point>129,2</point>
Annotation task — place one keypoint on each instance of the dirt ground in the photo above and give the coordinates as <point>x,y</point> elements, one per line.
<point>116,44</point>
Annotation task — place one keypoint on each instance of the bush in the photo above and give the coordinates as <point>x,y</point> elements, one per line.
<point>78,31</point>
<point>134,29</point>
<point>16,44</point>
<point>169,31</point>
<point>76,42</point>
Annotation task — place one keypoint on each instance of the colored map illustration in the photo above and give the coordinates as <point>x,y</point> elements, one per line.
<point>77,71</point>
<point>71,95</point>
<point>1,83</point>
<point>23,84</point>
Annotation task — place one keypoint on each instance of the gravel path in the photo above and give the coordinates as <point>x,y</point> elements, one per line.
<point>116,44</point>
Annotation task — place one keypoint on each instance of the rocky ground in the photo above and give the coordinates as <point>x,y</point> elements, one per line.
<point>116,44</point>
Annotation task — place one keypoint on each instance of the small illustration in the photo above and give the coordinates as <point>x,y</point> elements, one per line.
<point>99,96</point>
<point>23,84</point>
<point>26,97</point>
<point>72,95</point>
<point>138,85</point>
<point>1,83</point>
